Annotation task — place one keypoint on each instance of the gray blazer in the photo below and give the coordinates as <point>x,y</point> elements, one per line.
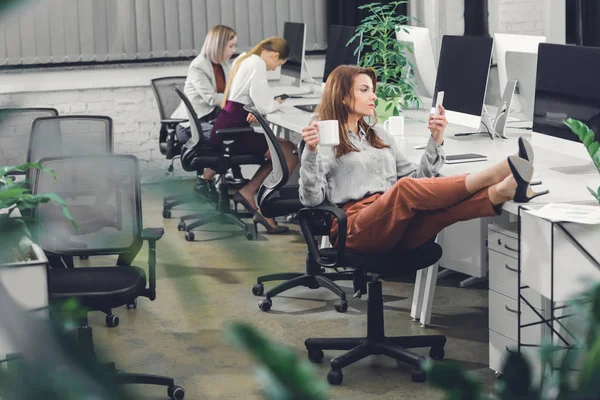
<point>201,88</point>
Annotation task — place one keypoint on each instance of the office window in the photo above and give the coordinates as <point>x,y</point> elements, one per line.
<point>73,31</point>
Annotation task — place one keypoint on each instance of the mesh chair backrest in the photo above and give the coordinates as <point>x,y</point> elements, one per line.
<point>167,100</point>
<point>195,125</point>
<point>102,194</point>
<point>280,174</point>
<point>15,128</point>
<point>70,135</point>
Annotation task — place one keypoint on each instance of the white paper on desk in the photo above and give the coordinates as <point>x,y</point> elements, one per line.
<point>578,213</point>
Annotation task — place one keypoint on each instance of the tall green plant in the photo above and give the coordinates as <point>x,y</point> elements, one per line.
<point>587,136</point>
<point>16,196</point>
<point>381,51</point>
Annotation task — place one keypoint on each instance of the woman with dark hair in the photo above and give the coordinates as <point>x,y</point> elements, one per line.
<point>390,202</point>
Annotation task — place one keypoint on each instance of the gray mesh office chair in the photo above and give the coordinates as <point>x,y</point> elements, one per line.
<point>15,128</point>
<point>103,195</point>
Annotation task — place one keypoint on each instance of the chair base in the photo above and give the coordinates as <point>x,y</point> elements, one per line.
<point>86,346</point>
<point>313,278</point>
<point>376,343</point>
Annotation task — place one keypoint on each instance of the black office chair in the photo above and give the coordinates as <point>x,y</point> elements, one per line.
<point>199,153</point>
<point>317,221</point>
<point>15,129</point>
<point>115,228</point>
<point>278,196</point>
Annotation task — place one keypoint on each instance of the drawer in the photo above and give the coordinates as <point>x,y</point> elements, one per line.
<point>498,348</point>
<point>503,243</point>
<point>503,279</point>
<point>503,319</point>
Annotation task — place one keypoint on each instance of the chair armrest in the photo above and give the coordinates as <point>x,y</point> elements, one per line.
<point>233,133</point>
<point>152,234</point>
<point>172,121</point>
<point>307,215</point>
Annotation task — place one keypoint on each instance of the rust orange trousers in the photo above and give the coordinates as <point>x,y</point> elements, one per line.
<point>411,213</point>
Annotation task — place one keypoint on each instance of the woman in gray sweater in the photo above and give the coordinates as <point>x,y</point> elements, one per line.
<point>390,202</point>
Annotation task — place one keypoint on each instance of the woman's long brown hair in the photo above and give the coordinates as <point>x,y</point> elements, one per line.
<point>339,86</point>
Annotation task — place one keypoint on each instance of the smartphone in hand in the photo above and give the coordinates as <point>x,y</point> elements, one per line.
<point>438,102</point>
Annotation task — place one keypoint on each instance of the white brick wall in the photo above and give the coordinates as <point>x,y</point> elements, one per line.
<point>134,113</point>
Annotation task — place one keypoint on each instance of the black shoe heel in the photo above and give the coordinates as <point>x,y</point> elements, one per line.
<point>259,218</point>
<point>238,198</point>
<point>522,171</point>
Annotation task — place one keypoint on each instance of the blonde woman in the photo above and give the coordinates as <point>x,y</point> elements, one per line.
<point>248,85</point>
<point>205,84</point>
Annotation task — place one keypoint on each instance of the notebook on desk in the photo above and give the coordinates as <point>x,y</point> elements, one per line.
<point>465,158</point>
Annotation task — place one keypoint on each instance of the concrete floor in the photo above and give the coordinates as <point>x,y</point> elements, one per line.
<point>204,285</point>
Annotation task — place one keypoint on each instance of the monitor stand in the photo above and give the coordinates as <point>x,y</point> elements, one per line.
<point>504,109</point>
<point>577,169</point>
<point>312,90</point>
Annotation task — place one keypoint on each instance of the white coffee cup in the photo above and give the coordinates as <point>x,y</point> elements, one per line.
<point>395,126</point>
<point>329,132</point>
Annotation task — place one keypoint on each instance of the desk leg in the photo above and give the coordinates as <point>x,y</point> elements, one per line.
<point>430,284</point>
<point>417,301</point>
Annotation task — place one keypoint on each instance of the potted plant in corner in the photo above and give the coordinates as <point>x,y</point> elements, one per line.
<point>381,51</point>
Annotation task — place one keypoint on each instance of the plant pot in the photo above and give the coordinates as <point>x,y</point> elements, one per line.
<point>27,284</point>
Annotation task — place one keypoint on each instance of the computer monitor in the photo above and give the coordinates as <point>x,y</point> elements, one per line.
<point>338,52</point>
<point>504,42</point>
<point>522,67</point>
<point>421,57</point>
<point>463,75</point>
<point>566,87</point>
<point>295,35</point>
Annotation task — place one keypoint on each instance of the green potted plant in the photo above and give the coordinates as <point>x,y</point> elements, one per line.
<point>381,51</point>
<point>587,136</point>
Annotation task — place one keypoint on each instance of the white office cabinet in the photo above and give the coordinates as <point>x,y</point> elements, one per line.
<point>503,293</point>
<point>464,246</point>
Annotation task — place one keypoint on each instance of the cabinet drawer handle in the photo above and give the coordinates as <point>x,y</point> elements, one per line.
<point>510,269</point>
<point>505,246</point>
<point>511,310</point>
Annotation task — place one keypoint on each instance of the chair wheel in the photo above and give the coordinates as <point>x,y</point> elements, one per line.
<point>418,376</point>
<point>341,306</point>
<point>258,289</point>
<point>181,226</point>
<point>166,214</point>
<point>249,235</point>
<point>189,236</point>
<point>133,304</point>
<point>84,257</point>
<point>176,392</point>
<point>112,321</point>
<point>265,305</point>
<point>436,353</point>
<point>315,355</point>
<point>335,377</point>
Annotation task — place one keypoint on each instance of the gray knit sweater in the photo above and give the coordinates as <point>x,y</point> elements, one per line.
<point>358,174</point>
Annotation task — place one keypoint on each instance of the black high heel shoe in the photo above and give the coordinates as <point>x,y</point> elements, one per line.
<point>260,219</point>
<point>526,153</point>
<point>238,198</point>
<point>522,171</point>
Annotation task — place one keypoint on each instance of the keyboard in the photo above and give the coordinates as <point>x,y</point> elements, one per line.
<point>307,107</point>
